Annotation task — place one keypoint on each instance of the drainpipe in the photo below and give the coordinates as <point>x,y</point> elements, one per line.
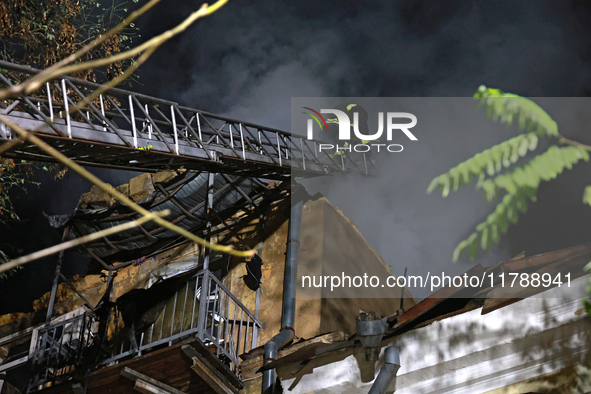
<point>289,291</point>
<point>388,371</point>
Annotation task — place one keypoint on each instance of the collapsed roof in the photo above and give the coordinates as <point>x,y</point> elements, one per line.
<point>184,193</point>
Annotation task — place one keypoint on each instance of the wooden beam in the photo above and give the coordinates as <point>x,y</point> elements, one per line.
<point>212,376</point>
<point>215,363</point>
<point>414,314</point>
<point>147,385</point>
<point>308,349</point>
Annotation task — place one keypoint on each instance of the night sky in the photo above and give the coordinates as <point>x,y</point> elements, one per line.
<point>250,58</point>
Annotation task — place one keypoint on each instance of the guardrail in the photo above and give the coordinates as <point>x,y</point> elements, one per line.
<point>204,308</point>
<point>58,348</point>
<point>120,118</point>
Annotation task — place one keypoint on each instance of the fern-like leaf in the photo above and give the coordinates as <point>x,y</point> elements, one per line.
<point>520,185</point>
<point>488,162</point>
<point>587,200</point>
<point>506,107</point>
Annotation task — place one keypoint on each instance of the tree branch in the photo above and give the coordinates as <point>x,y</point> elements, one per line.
<point>27,136</point>
<point>60,68</point>
<point>79,241</point>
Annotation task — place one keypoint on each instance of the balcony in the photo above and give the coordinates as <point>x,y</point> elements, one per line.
<point>196,335</point>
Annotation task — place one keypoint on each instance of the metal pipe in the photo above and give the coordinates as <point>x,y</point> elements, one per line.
<point>56,277</point>
<point>388,371</point>
<point>205,283</point>
<point>291,267</point>
<point>176,137</point>
<point>208,214</point>
<point>271,349</point>
<point>133,128</point>
<point>49,101</point>
<point>66,108</point>
<point>103,111</point>
<point>289,291</point>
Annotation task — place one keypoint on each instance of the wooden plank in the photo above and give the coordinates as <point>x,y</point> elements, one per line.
<point>492,304</point>
<point>146,388</point>
<point>146,384</point>
<point>212,376</point>
<point>215,362</point>
<point>254,360</point>
<point>167,365</point>
<point>416,312</point>
<point>499,297</point>
<point>563,255</point>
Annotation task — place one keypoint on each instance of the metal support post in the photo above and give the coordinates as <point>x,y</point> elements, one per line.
<point>67,108</point>
<point>56,278</point>
<point>204,297</point>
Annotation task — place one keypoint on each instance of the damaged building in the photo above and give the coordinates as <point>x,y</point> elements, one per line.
<point>151,298</point>
<point>159,314</point>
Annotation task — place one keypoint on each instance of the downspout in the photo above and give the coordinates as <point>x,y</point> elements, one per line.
<point>289,291</point>
<point>388,371</point>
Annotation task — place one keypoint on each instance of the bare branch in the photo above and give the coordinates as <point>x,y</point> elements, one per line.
<point>79,241</point>
<point>114,82</point>
<point>26,136</point>
<point>10,144</point>
<point>567,141</point>
<point>36,82</point>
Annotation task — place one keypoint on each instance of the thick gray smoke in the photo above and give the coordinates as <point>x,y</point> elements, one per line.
<point>248,60</point>
<point>252,56</point>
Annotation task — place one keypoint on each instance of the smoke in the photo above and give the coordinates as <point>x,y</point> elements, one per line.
<point>407,227</point>
<point>248,60</point>
<point>256,55</point>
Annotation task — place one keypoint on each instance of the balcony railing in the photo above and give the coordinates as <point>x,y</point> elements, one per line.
<point>58,349</point>
<point>204,308</point>
<point>201,308</point>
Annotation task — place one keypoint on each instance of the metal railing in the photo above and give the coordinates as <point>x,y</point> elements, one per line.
<point>202,307</point>
<point>58,349</point>
<point>148,126</point>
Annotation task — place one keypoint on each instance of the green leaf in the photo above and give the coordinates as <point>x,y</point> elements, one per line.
<point>522,182</point>
<point>484,239</point>
<point>505,107</point>
<point>490,161</point>
<point>587,200</point>
<point>445,186</point>
<point>459,249</point>
<point>473,249</point>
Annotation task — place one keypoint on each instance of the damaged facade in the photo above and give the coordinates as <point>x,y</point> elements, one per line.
<point>158,314</point>
<point>139,321</point>
<point>158,291</point>
<point>456,341</point>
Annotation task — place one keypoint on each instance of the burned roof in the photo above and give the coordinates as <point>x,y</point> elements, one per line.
<point>446,302</point>
<point>184,193</point>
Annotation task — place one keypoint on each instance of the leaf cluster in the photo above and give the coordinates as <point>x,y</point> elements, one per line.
<point>497,172</point>
<point>40,33</point>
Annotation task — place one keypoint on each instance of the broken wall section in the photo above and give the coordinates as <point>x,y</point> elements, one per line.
<point>327,239</point>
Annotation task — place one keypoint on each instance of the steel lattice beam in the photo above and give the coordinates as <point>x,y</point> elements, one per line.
<point>127,130</point>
